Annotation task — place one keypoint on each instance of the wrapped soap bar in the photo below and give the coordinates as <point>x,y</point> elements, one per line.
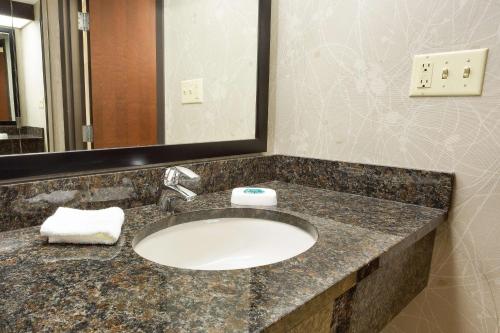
<point>254,196</point>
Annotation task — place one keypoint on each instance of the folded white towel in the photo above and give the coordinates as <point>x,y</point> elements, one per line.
<point>76,226</point>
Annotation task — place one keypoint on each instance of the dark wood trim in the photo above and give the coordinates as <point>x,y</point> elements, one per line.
<point>7,123</point>
<point>43,27</point>
<point>160,73</point>
<point>19,9</point>
<point>15,80</point>
<point>68,130</point>
<point>75,71</point>
<point>33,165</point>
<point>263,54</point>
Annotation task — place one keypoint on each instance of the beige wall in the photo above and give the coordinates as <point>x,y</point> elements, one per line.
<point>30,73</point>
<point>341,82</point>
<point>215,40</point>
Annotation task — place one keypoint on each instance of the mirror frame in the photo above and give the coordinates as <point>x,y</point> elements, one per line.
<point>29,166</point>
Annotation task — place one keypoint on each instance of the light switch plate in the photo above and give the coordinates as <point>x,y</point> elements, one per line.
<point>192,91</point>
<point>446,73</point>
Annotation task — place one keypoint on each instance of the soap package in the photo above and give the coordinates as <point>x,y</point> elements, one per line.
<point>254,196</point>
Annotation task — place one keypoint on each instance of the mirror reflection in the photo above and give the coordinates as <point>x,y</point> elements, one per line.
<point>7,108</point>
<point>22,92</point>
<point>97,74</point>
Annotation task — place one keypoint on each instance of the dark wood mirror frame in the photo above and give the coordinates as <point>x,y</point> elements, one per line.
<point>15,167</point>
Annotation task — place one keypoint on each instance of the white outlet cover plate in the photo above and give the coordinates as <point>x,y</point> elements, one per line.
<point>455,84</point>
<point>192,91</point>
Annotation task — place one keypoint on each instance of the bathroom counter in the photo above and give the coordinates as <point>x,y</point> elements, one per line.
<point>101,288</point>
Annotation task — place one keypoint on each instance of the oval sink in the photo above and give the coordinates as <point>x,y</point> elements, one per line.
<point>225,239</point>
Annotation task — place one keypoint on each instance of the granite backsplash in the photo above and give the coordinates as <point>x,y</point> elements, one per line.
<point>29,203</point>
<point>419,187</point>
<point>22,140</point>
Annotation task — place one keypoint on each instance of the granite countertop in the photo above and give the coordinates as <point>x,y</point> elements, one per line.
<point>111,288</point>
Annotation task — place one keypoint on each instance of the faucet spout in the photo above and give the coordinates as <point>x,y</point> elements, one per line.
<point>173,177</point>
<point>186,194</point>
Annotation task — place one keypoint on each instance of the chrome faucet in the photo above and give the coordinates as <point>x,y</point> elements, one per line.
<point>172,179</point>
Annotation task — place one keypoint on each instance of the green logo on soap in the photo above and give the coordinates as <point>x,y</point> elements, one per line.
<point>253,191</point>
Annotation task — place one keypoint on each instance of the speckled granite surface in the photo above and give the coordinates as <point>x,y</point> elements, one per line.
<point>77,288</point>
<point>420,187</point>
<point>25,140</point>
<point>29,203</point>
<point>379,297</point>
<point>22,144</point>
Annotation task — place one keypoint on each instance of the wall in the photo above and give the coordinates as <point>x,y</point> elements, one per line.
<point>341,81</point>
<point>30,73</point>
<point>205,39</point>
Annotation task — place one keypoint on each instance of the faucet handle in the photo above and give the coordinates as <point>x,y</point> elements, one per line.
<point>187,173</point>
<point>174,174</point>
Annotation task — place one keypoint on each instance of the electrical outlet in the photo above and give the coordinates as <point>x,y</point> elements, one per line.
<point>426,70</point>
<point>192,91</point>
<point>458,73</point>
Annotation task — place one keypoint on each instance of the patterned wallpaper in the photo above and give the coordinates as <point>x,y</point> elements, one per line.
<point>340,82</point>
<point>215,40</point>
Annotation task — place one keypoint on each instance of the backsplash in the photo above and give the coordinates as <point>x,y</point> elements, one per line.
<point>425,188</point>
<point>27,139</point>
<point>226,174</point>
<point>28,204</point>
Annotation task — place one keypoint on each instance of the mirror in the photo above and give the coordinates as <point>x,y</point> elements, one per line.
<point>214,43</point>
<point>82,75</point>
<point>22,92</point>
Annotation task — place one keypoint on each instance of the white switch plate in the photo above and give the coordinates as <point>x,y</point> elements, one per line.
<point>433,83</point>
<point>192,91</point>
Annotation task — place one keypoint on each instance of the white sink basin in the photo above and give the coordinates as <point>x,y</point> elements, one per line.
<point>226,239</point>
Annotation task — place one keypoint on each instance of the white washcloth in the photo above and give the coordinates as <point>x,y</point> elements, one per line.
<point>76,226</point>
